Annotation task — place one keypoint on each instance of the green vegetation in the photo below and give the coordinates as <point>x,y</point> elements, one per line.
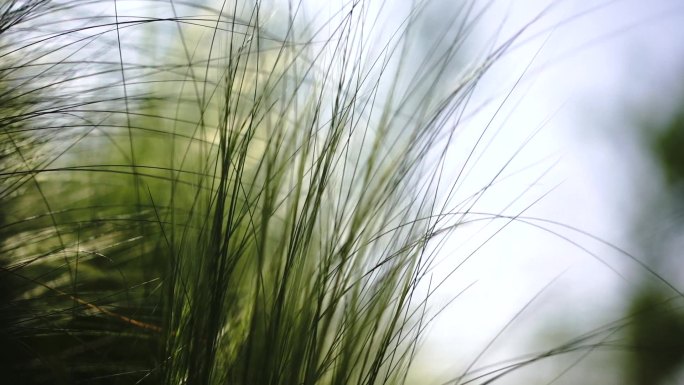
<point>656,333</point>
<point>213,194</point>
<point>232,192</point>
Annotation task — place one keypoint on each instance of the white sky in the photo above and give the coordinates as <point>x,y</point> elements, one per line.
<point>606,68</point>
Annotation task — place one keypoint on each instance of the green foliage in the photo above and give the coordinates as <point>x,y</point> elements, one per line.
<point>667,148</point>
<point>656,336</point>
<point>192,197</point>
<point>231,193</point>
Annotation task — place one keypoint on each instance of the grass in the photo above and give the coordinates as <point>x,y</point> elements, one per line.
<point>205,193</point>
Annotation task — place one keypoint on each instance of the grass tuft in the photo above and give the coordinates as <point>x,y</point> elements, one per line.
<point>227,192</point>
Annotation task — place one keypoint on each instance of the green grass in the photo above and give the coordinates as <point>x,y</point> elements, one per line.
<point>225,193</point>
<point>196,199</point>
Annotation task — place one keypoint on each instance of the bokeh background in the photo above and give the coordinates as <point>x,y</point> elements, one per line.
<point>605,80</point>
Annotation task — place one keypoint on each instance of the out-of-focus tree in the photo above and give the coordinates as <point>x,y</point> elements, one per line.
<point>656,332</point>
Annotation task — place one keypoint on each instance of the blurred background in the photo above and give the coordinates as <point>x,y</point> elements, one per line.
<point>603,84</point>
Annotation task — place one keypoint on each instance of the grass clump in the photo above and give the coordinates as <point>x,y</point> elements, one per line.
<point>224,192</point>
<point>206,193</point>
